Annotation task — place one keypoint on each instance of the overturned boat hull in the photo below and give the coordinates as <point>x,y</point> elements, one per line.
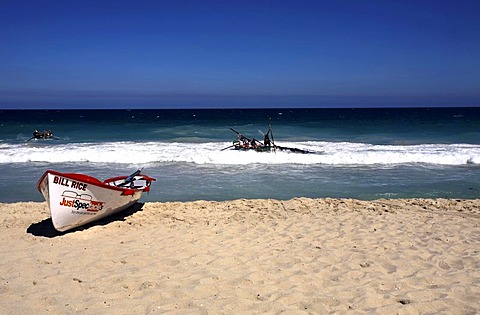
<point>77,199</point>
<point>263,148</point>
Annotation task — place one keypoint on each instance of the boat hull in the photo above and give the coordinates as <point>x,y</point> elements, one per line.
<point>271,149</point>
<point>76,199</point>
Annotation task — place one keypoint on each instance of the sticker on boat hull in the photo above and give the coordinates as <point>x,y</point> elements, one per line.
<point>80,202</point>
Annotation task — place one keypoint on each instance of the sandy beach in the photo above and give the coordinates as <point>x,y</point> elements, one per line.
<point>300,256</point>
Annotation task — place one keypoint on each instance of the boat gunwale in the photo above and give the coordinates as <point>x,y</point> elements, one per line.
<point>94,181</point>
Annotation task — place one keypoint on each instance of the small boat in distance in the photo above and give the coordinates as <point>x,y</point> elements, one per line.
<point>46,134</point>
<point>77,199</point>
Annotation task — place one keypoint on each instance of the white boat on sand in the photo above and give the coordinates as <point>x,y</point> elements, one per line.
<point>77,199</point>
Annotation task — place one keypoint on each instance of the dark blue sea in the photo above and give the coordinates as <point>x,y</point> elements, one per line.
<point>358,153</point>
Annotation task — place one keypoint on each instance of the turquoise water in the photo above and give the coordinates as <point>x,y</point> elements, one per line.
<point>360,153</point>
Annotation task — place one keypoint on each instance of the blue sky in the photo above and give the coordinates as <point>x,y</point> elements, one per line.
<point>155,54</point>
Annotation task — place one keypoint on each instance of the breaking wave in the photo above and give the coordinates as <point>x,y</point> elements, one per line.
<point>329,153</point>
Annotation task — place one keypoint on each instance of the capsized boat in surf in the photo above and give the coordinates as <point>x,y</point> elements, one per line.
<point>77,199</point>
<point>268,145</point>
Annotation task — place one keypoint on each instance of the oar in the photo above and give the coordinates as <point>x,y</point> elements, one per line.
<point>238,133</point>
<point>31,139</point>
<point>249,140</point>
<point>271,132</point>
<point>227,147</point>
<point>130,178</point>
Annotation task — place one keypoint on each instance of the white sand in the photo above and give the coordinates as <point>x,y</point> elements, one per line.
<point>301,256</point>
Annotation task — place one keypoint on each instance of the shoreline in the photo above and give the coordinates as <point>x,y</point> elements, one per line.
<point>247,255</point>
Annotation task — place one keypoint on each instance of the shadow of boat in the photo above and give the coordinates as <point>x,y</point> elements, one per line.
<point>45,227</point>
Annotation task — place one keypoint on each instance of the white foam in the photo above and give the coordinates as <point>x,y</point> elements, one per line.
<point>332,153</point>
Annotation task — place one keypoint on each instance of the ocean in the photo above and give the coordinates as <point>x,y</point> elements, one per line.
<point>358,153</point>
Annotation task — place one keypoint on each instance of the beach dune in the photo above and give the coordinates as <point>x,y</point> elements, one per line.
<point>299,256</point>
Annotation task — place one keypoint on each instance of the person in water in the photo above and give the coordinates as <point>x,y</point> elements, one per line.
<point>42,135</point>
<point>266,140</point>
